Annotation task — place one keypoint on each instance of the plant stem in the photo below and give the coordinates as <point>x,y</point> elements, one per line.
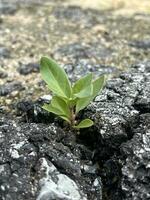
<point>72,117</point>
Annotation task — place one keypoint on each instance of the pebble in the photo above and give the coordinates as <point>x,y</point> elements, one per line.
<point>4,52</point>
<point>8,88</point>
<point>145,44</point>
<point>7,8</point>
<point>3,74</point>
<point>26,69</point>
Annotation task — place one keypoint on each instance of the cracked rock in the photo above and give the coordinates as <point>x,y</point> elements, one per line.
<point>136,171</point>
<point>54,185</point>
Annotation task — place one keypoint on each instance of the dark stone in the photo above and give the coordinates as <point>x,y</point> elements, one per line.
<point>7,8</point>
<point>107,161</point>
<point>116,119</point>
<point>145,44</point>
<point>26,69</point>
<point>136,171</point>
<point>76,14</point>
<point>77,52</point>
<point>33,158</point>
<point>3,74</point>
<point>4,52</point>
<point>33,112</point>
<point>8,88</point>
<point>143,101</point>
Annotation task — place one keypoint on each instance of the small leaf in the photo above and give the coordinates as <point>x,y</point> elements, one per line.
<point>83,87</point>
<point>56,111</point>
<point>82,103</point>
<point>98,85</point>
<point>60,104</point>
<point>50,108</point>
<point>84,124</point>
<point>65,118</point>
<point>55,77</point>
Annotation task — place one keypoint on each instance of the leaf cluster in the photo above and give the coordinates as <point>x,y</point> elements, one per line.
<point>68,99</point>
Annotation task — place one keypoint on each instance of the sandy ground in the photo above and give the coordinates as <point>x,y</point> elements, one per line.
<point>106,28</point>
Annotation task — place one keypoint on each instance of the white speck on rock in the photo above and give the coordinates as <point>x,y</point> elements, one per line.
<point>2,168</point>
<point>14,153</point>
<point>19,145</point>
<point>57,186</point>
<point>3,187</point>
<point>96,182</point>
<point>46,97</point>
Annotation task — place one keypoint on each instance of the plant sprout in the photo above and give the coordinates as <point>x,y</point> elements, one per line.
<point>69,99</point>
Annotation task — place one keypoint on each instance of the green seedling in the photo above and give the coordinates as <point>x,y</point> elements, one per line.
<point>68,100</point>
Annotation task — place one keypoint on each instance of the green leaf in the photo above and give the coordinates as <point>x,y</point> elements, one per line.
<point>84,124</point>
<point>98,85</point>
<point>82,103</point>
<point>83,87</point>
<point>56,111</point>
<point>50,108</point>
<point>60,104</point>
<point>65,118</point>
<point>55,77</point>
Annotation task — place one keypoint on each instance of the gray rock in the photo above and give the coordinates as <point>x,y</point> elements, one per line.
<point>26,69</point>
<point>55,185</point>
<point>76,14</point>
<point>83,67</point>
<point>145,44</point>
<point>136,171</point>
<point>35,164</point>
<point>116,118</point>
<point>7,8</point>
<point>109,160</point>
<point>8,88</point>
<point>77,52</point>
<point>3,74</point>
<point>4,52</point>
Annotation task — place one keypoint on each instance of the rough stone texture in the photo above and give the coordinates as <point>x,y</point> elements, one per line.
<point>3,74</point>
<point>34,157</point>
<point>75,14</point>
<point>4,52</point>
<point>136,171</point>
<point>83,67</point>
<point>26,69</point>
<point>117,121</point>
<point>8,88</point>
<point>7,8</point>
<point>56,185</point>
<point>109,161</point>
<point>79,51</point>
<point>145,44</point>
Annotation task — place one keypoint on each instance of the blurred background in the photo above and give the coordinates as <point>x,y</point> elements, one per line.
<point>103,36</point>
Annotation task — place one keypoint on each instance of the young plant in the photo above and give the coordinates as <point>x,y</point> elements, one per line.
<point>69,99</point>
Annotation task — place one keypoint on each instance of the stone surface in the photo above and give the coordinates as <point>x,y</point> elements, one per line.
<point>36,162</point>
<point>4,52</point>
<point>145,44</point>
<point>56,185</point>
<point>107,161</point>
<point>136,171</point>
<point>75,14</point>
<point>7,7</point>
<point>78,51</point>
<point>83,67</point>
<point>117,121</point>
<point>3,74</point>
<point>26,69</point>
<point>8,88</point>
